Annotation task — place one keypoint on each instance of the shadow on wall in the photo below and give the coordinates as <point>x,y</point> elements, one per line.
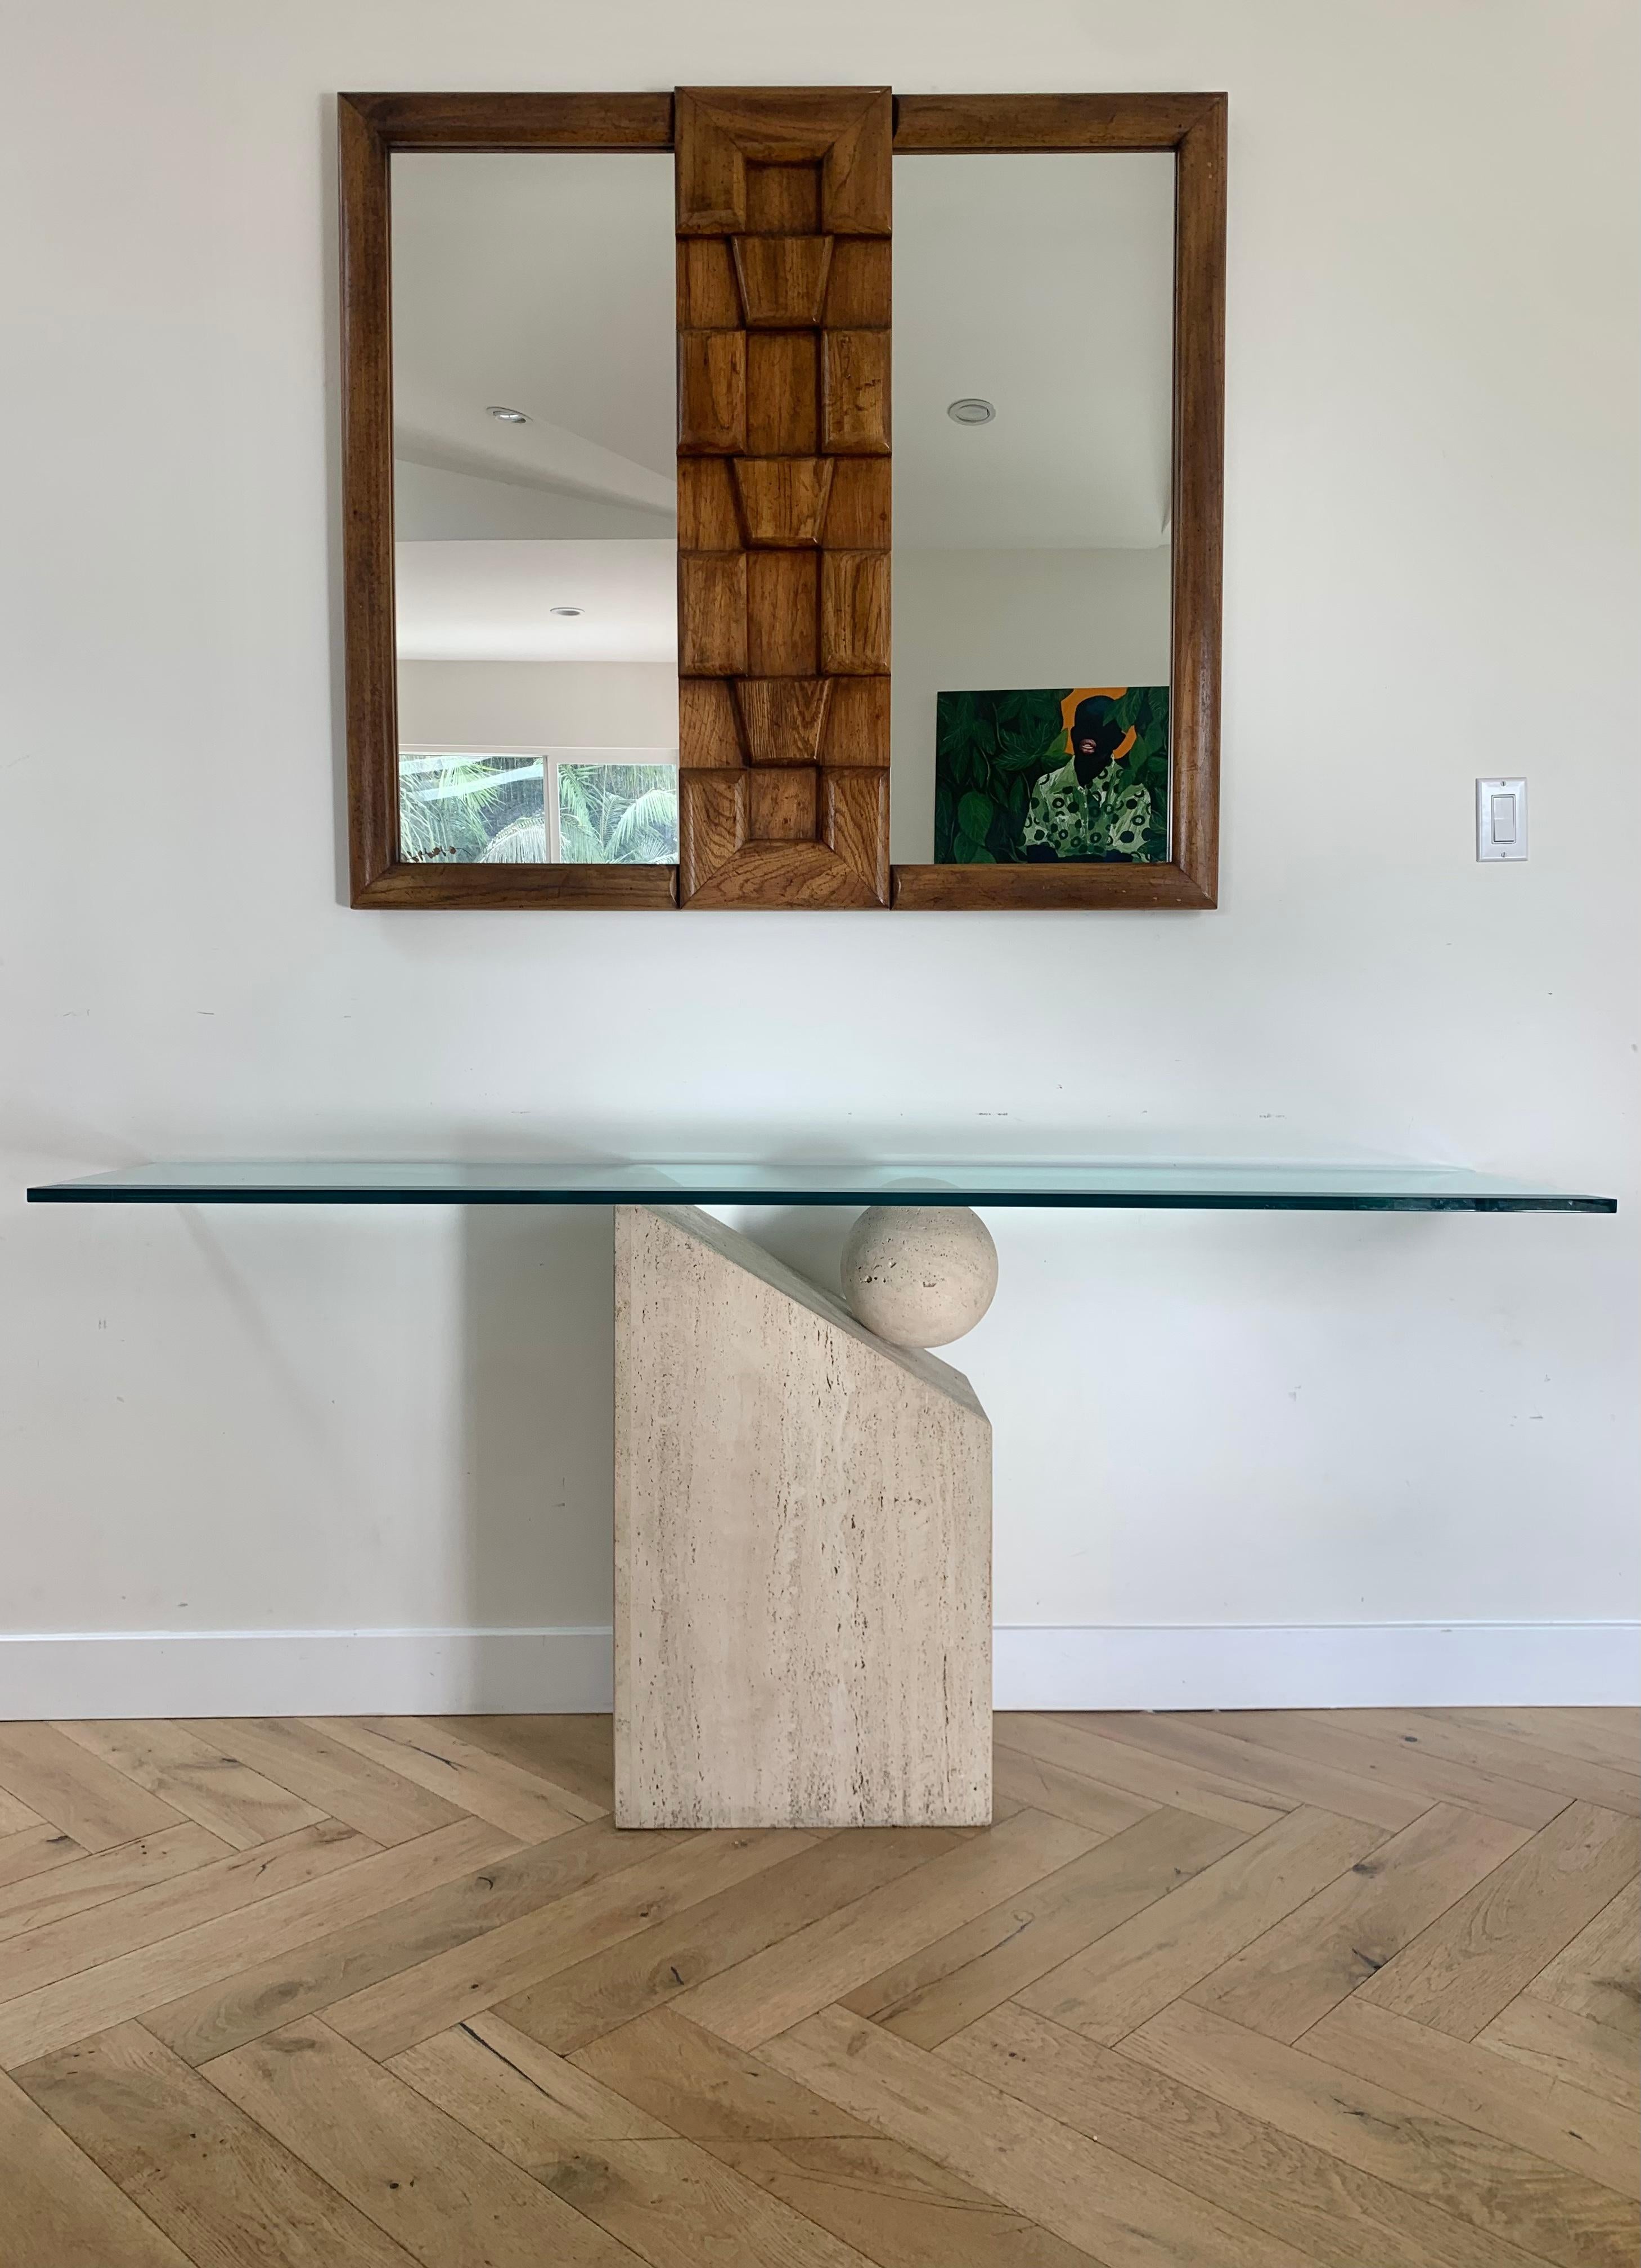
<point>538,1400</point>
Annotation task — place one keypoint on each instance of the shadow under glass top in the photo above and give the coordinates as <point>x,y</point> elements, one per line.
<point>1180,1184</point>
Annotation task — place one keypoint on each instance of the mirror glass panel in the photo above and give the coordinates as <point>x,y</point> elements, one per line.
<point>535,507</point>
<point>1033,340</point>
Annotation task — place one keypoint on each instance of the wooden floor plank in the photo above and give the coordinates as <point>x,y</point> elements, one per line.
<point>58,1781</point>
<point>221,2188</point>
<point>156,1910</point>
<point>891,2202</point>
<point>93,2000</point>
<point>775,1987</point>
<point>659,1963</point>
<point>896,2205</point>
<point>953,1979</point>
<point>1285,1779</point>
<point>701,2087</point>
<point>383,1805</point>
<point>1499,2188</point>
<point>571,2102</point>
<point>421,2176</point>
<point>676,1871</point>
<point>1117,1764</point>
<point>1085,2194</point>
<point>574,1755</point>
<point>1466,2081</point>
<point>61,2208</point>
<point>539,2128</point>
<point>16,1818</point>
<point>682,2208</point>
<point>1334,2212</point>
<point>1137,1968</point>
<point>264,1995</point>
<point>1024,1781</point>
<point>470,1778</point>
<point>195,1779</point>
<point>33,1851</point>
<point>1561,2046</point>
<point>661,2194</point>
<point>1609,1736</point>
<point>1507,1755</point>
<point>1599,1974</point>
<point>678,2207</point>
<point>1461,1971</point>
<point>1286,1980</point>
<point>92,1879</point>
<point>1318,1737</point>
<point>1580,2017</point>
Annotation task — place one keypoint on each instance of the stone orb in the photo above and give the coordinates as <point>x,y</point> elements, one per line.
<point>919,1276</point>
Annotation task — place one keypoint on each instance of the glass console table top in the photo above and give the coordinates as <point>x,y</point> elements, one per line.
<point>1183,1184</point>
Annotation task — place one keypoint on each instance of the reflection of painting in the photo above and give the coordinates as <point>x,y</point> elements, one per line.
<point>1049,778</point>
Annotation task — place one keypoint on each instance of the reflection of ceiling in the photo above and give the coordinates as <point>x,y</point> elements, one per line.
<point>430,503</point>
<point>490,602</point>
<point>542,281</point>
<point>1044,284</point>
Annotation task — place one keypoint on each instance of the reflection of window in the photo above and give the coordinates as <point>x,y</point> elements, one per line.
<point>539,807</point>
<point>457,806</point>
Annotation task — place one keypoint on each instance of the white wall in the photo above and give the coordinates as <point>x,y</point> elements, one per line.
<point>224,1420</point>
<point>555,705</point>
<point>983,620</point>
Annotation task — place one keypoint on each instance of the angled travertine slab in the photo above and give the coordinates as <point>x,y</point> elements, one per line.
<point>803,1551</point>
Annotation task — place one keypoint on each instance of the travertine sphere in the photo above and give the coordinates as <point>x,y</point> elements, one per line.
<point>919,1276</point>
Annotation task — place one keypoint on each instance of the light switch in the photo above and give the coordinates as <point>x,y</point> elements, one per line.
<point>1501,819</point>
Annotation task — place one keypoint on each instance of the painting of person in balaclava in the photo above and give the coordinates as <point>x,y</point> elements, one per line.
<point>1088,808</point>
<point>1096,738</point>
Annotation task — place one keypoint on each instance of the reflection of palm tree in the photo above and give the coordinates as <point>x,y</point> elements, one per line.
<point>523,843</point>
<point>449,808</point>
<point>618,814</point>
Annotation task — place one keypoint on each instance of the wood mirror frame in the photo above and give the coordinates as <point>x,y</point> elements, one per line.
<point>1193,126</point>
<point>369,129</point>
<point>783,220</point>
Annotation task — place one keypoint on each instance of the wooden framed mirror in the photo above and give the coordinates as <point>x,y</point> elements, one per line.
<point>507,448</point>
<point>666,339</point>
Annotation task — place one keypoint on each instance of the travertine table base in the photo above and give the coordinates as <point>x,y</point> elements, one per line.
<point>803,1551</point>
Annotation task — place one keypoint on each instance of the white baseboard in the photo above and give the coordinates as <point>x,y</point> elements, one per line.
<point>509,1671</point>
<point>1346,1666</point>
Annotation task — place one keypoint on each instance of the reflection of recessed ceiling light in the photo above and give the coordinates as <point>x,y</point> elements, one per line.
<point>969,409</point>
<point>563,610</point>
<point>508,417</point>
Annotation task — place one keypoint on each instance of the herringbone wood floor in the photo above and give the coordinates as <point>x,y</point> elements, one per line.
<point>1215,1992</point>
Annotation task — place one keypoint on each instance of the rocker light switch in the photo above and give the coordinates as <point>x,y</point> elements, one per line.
<point>1501,819</point>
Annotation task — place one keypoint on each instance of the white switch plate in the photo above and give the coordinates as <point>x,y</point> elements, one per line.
<point>1501,819</point>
